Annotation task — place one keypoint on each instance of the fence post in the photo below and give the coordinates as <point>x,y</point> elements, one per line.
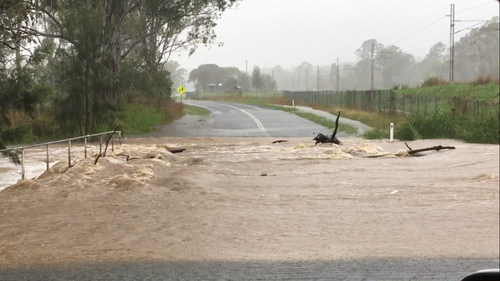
<point>435,103</point>
<point>47,154</point>
<point>379,100</point>
<point>404,103</point>
<point>112,142</point>
<point>425,102</point>
<point>100,144</point>
<point>22,164</point>
<point>85,148</point>
<point>69,153</point>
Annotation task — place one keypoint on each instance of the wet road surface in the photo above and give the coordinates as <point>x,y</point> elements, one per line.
<point>240,120</point>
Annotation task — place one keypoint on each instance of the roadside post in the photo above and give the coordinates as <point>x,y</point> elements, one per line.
<point>391,134</point>
<point>181,91</point>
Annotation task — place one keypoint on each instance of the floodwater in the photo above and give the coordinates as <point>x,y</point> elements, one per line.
<point>248,200</point>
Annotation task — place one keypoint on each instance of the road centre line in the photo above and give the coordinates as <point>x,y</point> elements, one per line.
<point>261,127</point>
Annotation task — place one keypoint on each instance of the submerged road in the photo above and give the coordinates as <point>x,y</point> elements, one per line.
<point>240,120</point>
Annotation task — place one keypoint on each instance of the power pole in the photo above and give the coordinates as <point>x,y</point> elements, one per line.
<point>307,79</point>
<point>373,68</point>
<point>317,89</point>
<point>452,40</point>
<point>273,82</point>
<point>338,74</point>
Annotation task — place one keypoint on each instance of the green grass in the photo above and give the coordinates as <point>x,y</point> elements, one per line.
<point>206,95</point>
<point>194,110</point>
<point>473,128</point>
<point>325,122</point>
<point>138,118</point>
<point>376,134</point>
<point>487,92</point>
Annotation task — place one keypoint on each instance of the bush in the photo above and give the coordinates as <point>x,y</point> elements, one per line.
<point>433,81</point>
<point>482,80</point>
<point>475,128</point>
<point>406,132</point>
<point>376,134</point>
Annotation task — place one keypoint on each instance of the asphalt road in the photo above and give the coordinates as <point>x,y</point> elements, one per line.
<point>240,120</point>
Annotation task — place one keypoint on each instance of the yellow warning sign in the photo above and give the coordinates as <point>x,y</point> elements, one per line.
<point>181,90</point>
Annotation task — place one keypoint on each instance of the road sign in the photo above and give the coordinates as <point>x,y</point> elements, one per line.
<point>181,90</point>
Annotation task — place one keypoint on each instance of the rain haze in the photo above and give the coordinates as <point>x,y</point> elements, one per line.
<point>289,32</point>
<point>307,140</point>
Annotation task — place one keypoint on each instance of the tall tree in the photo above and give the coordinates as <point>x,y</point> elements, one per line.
<point>257,79</point>
<point>435,63</point>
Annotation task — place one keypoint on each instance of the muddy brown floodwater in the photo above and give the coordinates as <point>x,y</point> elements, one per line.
<point>247,200</point>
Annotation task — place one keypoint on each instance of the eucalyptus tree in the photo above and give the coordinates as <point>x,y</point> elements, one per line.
<point>94,38</point>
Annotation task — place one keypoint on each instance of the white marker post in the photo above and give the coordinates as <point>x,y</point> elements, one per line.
<point>391,134</point>
<point>293,103</point>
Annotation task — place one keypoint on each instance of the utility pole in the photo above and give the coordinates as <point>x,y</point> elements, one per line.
<point>317,89</point>
<point>338,74</point>
<point>452,40</point>
<point>307,79</point>
<point>273,82</point>
<point>372,68</point>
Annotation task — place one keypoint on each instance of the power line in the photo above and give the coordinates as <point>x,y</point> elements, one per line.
<point>475,7</point>
<point>469,27</point>
<point>418,30</point>
<point>417,23</point>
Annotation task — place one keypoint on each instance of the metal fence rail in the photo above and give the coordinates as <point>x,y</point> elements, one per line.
<point>387,101</point>
<point>46,144</point>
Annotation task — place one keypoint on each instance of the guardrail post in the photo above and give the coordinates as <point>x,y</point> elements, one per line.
<point>69,153</point>
<point>47,154</point>
<point>100,144</point>
<point>112,142</point>
<point>22,164</point>
<point>85,148</point>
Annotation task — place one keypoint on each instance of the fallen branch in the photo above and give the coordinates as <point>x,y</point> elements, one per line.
<point>437,148</point>
<point>176,150</point>
<point>107,143</point>
<point>279,141</point>
<point>320,138</point>
<point>408,146</point>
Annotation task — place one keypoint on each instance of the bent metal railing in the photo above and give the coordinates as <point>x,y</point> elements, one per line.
<point>46,144</point>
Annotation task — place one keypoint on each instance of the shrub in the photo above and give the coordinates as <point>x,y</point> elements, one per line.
<point>433,81</point>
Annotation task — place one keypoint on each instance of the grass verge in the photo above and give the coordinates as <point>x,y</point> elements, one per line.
<point>138,118</point>
<point>480,128</point>
<point>194,110</point>
<point>325,122</point>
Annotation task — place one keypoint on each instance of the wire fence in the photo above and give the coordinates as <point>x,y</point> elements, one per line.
<point>207,95</point>
<point>390,102</point>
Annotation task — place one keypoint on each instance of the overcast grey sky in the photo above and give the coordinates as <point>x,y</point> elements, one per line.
<point>289,32</point>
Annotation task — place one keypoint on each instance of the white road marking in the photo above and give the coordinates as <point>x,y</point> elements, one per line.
<point>261,127</point>
<point>255,107</point>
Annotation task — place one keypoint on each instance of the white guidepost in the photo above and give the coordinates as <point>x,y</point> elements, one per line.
<point>391,134</point>
<point>293,103</point>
